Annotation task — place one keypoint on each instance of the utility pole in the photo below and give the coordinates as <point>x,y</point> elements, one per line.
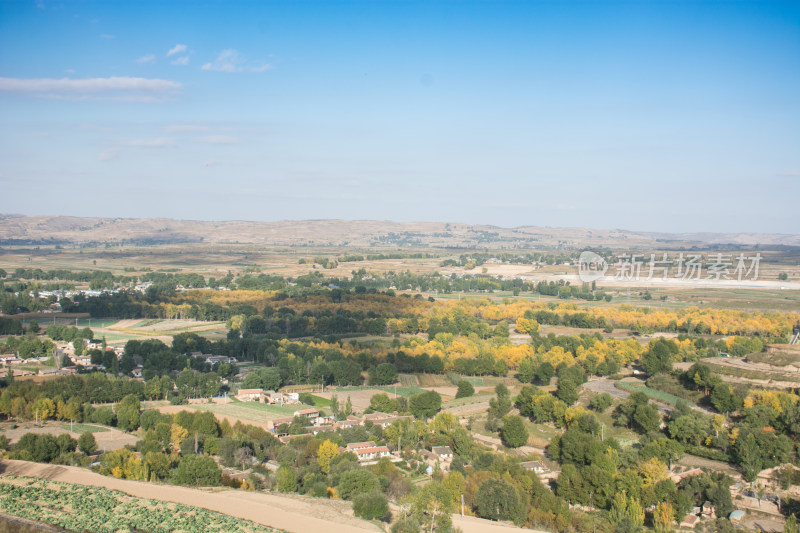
<point>462,506</point>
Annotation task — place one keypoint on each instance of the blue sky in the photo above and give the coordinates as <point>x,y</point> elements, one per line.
<point>657,116</point>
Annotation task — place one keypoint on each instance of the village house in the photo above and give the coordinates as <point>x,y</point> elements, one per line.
<point>371,454</point>
<point>537,467</point>
<point>250,395</point>
<point>311,414</point>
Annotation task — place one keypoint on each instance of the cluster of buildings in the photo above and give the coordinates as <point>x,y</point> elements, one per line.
<point>268,396</point>
<point>214,360</point>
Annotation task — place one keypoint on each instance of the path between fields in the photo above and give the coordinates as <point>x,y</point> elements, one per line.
<point>294,514</point>
<point>471,524</point>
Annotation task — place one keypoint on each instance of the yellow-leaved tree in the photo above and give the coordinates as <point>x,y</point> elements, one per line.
<point>326,452</point>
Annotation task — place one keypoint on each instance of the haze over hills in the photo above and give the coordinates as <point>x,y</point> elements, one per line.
<point>20,229</point>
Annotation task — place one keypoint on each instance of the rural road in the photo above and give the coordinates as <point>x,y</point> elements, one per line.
<point>294,514</point>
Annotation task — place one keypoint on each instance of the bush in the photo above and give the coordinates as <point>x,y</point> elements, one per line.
<point>601,402</point>
<point>514,432</point>
<point>357,482</point>
<point>197,470</point>
<point>465,389</point>
<point>371,506</point>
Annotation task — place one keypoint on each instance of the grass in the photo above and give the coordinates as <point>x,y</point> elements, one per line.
<point>83,428</point>
<point>248,411</point>
<point>469,400</point>
<point>402,391</point>
<point>321,402</point>
<point>652,393</point>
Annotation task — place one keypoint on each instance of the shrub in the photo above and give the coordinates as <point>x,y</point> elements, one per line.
<point>465,389</point>
<point>371,506</point>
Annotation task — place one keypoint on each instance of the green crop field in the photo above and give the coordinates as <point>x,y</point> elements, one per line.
<point>249,411</point>
<point>402,391</point>
<point>81,508</point>
<point>652,393</point>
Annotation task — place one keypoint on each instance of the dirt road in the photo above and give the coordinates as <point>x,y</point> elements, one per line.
<point>294,514</point>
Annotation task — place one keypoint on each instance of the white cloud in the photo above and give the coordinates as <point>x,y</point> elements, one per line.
<point>177,49</point>
<point>220,139</point>
<point>231,61</point>
<point>114,88</point>
<point>181,61</point>
<point>108,155</point>
<point>149,58</point>
<point>185,128</point>
<point>161,142</point>
<point>790,174</point>
<point>106,36</point>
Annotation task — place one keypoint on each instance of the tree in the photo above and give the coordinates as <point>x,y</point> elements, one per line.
<point>425,404</point>
<point>128,413</point>
<point>498,500</point>
<point>87,443</point>
<point>514,432</point>
<point>567,390</point>
<point>432,506</point>
<point>526,370</point>
<point>285,479</point>
<point>358,481</point>
<point>383,374</point>
<point>627,510</point>
<point>663,517</point>
<point>465,389</point>
<point>44,408</point>
<point>658,357</point>
<point>646,418</point>
<point>326,452</point>
<point>371,506</point>
<point>748,456</point>
<point>601,402</point>
<point>197,470</point>
<point>545,373</point>
<point>500,406</point>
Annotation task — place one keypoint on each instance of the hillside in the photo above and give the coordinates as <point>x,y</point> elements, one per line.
<point>16,229</point>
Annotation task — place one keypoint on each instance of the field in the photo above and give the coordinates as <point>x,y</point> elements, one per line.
<point>107,438</point>
<point>247,412</point>
<point>289,513</point>
<point>80,508</point>
<point>652,393</point>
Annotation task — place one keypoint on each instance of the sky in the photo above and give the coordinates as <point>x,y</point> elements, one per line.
<point>652,116</point>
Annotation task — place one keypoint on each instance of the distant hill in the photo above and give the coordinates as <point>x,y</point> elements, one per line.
<point>18,229</point>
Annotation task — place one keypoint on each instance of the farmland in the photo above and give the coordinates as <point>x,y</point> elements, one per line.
<point>81,508</point>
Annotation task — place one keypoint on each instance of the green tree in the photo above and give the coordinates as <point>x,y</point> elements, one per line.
<point>198,471</point>
<point>128,413</point>
<point>498,500</point>
<point>371,506</point>
<point>601,402</point>
<point>285,479</point>
<point>526,370</point>
<point>358,481</point>
<point>514,433</point>
<point>567,390</point>
<point>383,374</point>
<point>465,389</point>
<point>425,404</point>
<point>87,443</point>
<point>658,357</point>
<point>432,507</point>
